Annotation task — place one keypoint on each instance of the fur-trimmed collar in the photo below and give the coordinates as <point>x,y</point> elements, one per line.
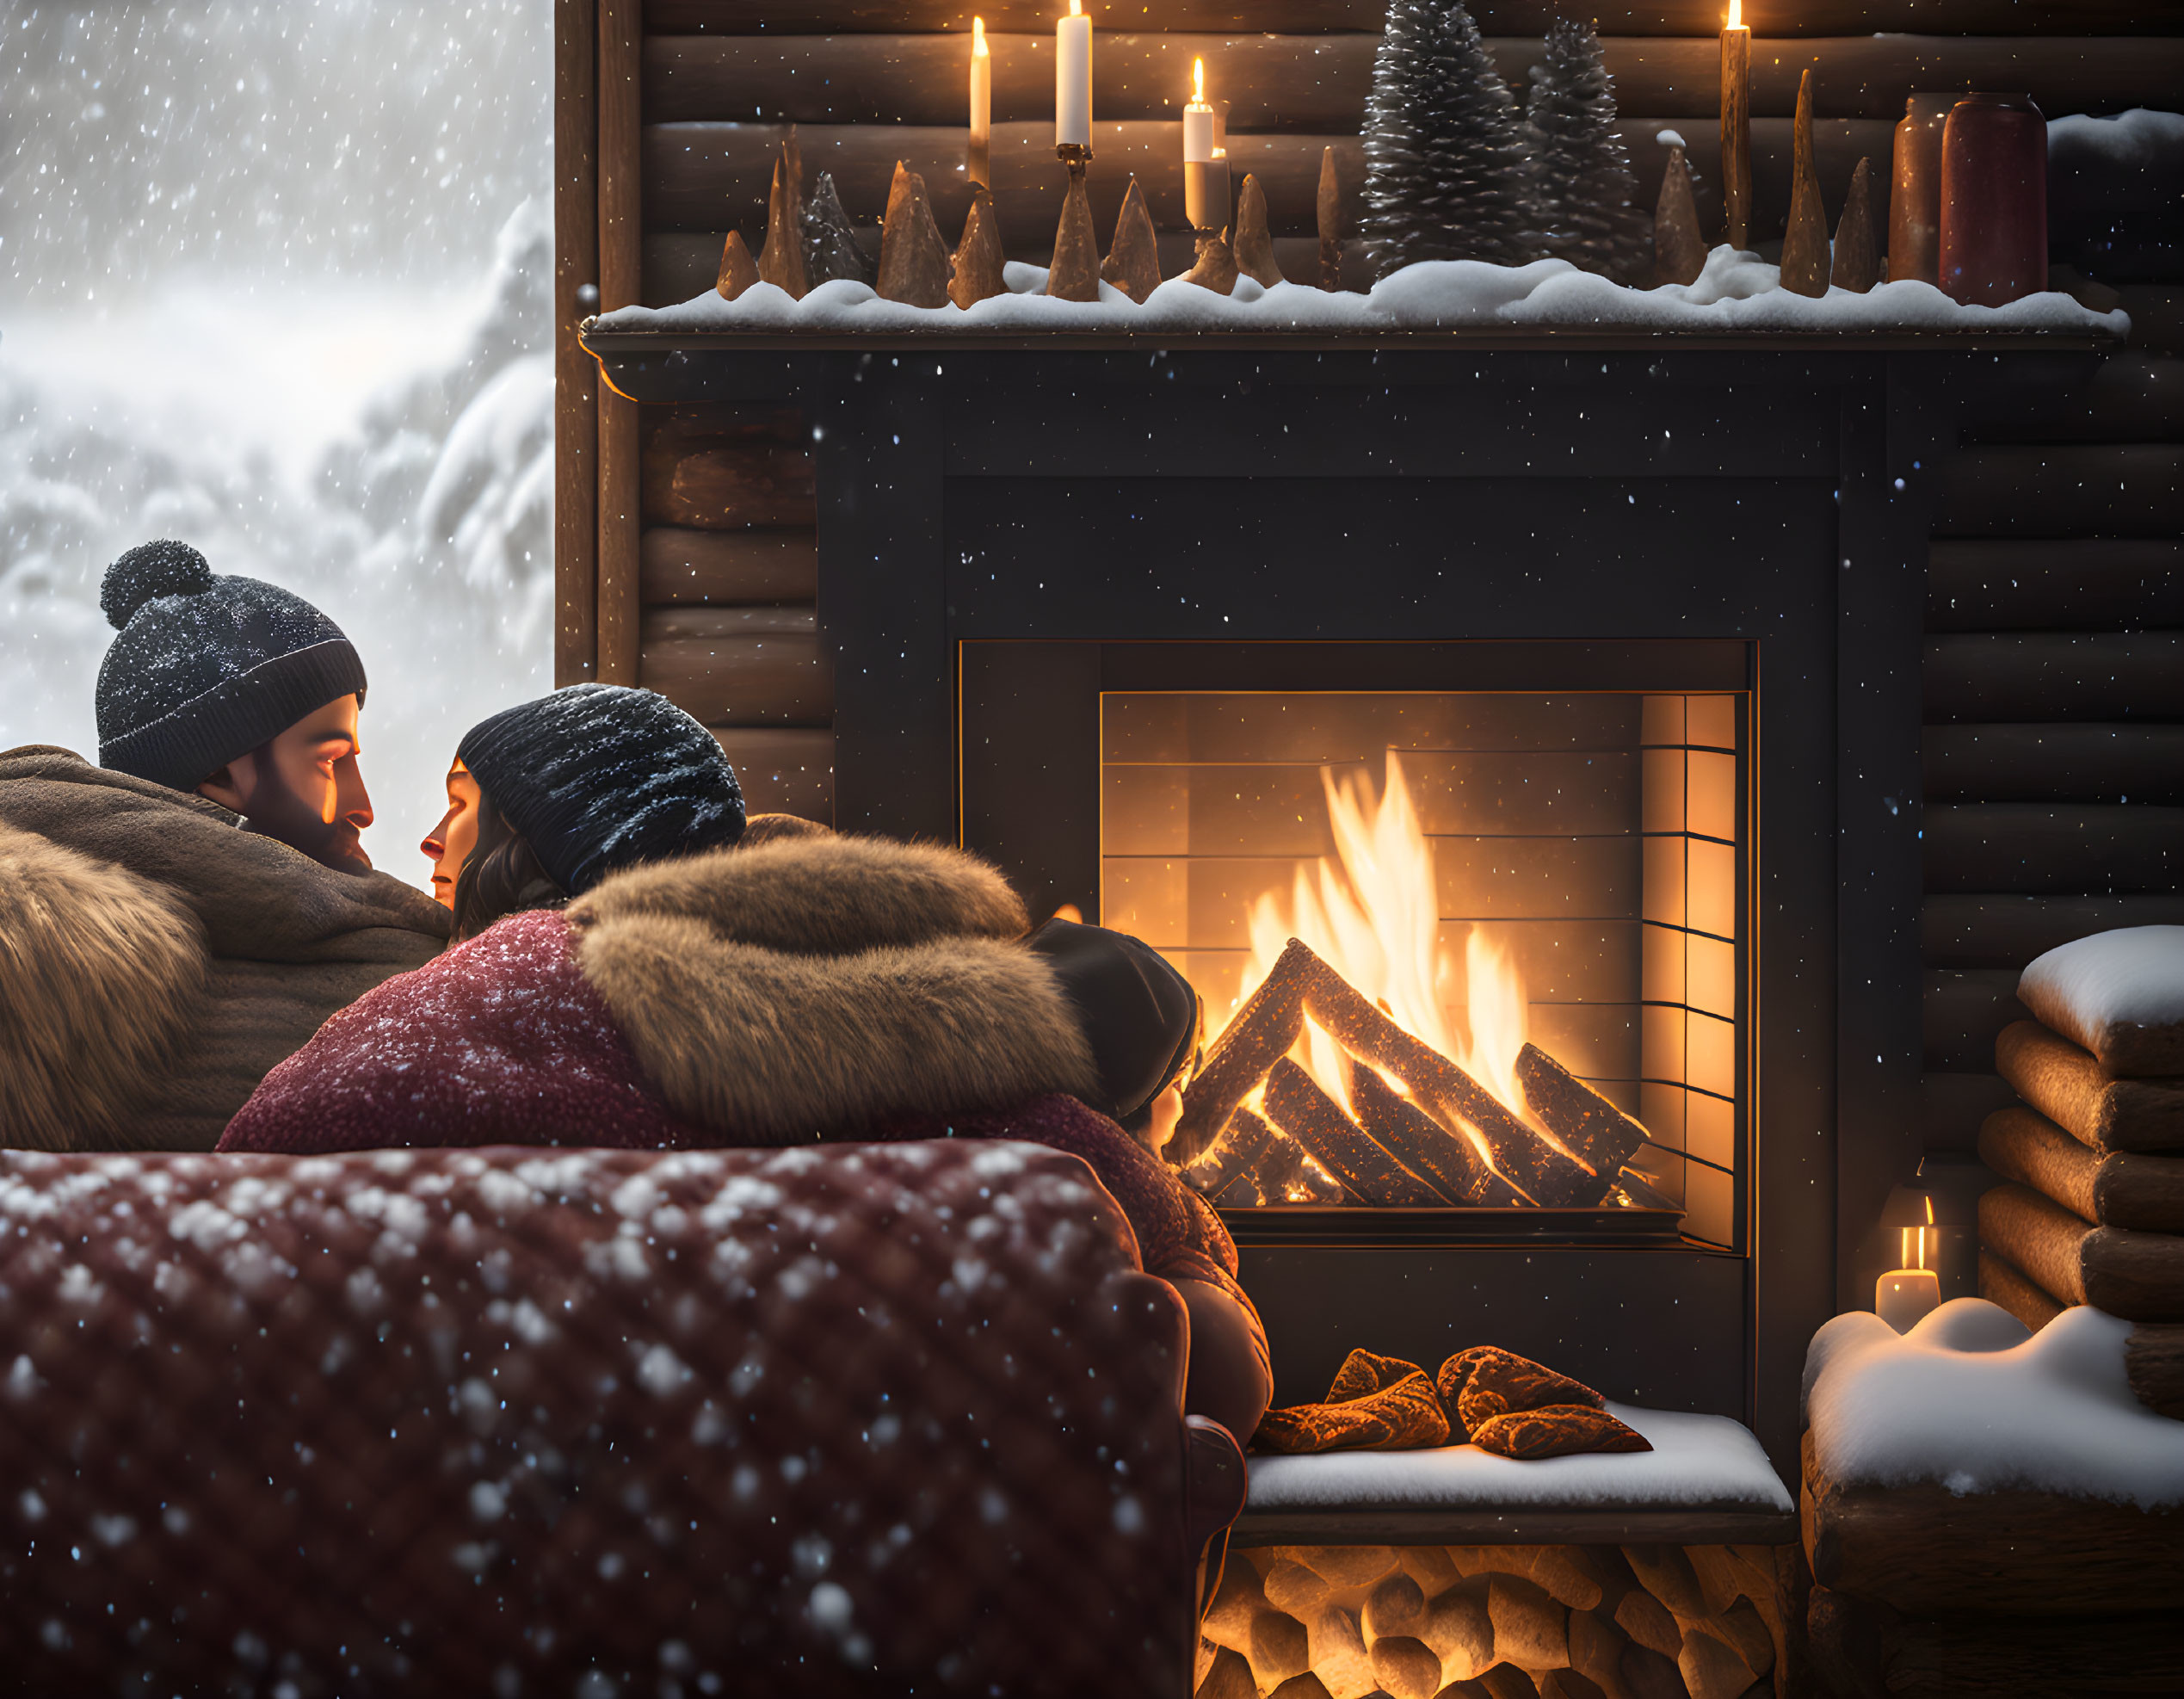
<point>820,986</point>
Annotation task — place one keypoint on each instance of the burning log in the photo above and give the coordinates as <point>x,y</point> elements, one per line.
<point>1536,1168</point>
<point>1310,1116</point>
<point>1239,1150</point>
<point>1261,1033</point>
<point>1246,1191</point>
<point>1287,1175</point>
<point>1423,1144</point>
<point>1595,1131</point>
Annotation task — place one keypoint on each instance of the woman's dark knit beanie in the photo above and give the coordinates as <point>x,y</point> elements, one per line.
<point>598,777</point>
<point>206,668</point>
<point>1139,1014</point>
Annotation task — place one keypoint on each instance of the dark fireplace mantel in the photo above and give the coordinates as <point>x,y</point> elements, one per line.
<point>1471,499</point>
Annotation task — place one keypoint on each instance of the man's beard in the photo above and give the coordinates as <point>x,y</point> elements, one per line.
<point>276,811</point>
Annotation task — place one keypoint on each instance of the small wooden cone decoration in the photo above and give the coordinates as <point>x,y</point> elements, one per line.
<point>1857,253</point>
<point>738,272</point>
<point>977,256</point>
<point>1804,243</point>
<point>781,263</point>
<point>913,254</point>
<point>1133,262</point>
<point>1216,266</point>
<point>1253,243</point>
<point>1679,251</point>
<point>792,162</point>
<point>1330,223</point>
<point>1074,274</point>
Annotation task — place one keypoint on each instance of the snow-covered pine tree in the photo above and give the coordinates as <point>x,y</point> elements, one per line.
<point>1583,183</point>
<point>1446,173</point>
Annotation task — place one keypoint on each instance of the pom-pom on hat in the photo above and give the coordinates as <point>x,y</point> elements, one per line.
<point>207,668</point>
<point>598,777</point>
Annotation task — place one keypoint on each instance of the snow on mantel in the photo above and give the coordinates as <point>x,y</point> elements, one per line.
<point>1738,293</point>
<point>1969,1398</point>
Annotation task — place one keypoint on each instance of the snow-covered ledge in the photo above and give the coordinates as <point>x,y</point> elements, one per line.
<point>1737,295</point>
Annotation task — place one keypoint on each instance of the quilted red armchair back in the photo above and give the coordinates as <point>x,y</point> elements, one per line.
<point>853,1418</point>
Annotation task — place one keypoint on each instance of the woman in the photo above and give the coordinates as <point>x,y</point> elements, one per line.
<point>635,994</point>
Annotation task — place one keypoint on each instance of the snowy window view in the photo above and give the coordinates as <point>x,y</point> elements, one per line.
<point>276,280</point>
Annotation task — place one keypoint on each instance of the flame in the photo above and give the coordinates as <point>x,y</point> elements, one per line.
<point>1197,82</point>
<point>1077,11</point>
<point>1371,910</point>
<point>978,49</point>
<point>1736,13</point>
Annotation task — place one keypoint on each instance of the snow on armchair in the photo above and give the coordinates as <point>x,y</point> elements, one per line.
<point>487,1421</point>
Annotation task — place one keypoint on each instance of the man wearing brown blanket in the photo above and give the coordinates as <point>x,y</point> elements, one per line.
<point>1485,1396</point>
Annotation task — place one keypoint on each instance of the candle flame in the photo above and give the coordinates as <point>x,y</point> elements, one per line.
<point>1077,11</point>
<point>1197,82</point>
<point>1736,13</point>
<point>978,49</point>
<point>1930,1209</point>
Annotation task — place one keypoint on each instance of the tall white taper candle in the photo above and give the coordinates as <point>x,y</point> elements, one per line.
<point>1073,79</point>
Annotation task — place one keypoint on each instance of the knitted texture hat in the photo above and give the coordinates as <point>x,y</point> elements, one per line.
<point>206,668</point>
<point>597,777</point>
<point>1139,1014</point>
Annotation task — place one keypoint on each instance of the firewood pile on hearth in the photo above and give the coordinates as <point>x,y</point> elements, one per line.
<point>1418,1131</point>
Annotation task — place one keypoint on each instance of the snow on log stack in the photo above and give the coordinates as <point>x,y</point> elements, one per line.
<point>2092,1209</point>
<point>1544,1622</point>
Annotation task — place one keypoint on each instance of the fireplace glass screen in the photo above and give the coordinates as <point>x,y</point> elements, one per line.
<point>1457,950</point>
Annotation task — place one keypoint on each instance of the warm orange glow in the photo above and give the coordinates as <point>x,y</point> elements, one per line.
<point>1736,13</point>
<point>1075,10</point>
<point>978,49</point>
<point>1371,912</point>
<point>1197,82</point>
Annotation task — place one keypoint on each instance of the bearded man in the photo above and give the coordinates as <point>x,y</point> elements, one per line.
<point>182,917</point>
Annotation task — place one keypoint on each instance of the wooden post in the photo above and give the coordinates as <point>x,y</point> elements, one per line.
<point>575,378</point>
<point>620,265</point>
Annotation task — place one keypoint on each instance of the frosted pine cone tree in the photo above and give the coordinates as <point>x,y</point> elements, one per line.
<point>1447,172</point>
<point>1584,182</point>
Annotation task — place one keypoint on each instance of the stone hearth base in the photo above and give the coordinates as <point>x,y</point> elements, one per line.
<point>1591,1621</point>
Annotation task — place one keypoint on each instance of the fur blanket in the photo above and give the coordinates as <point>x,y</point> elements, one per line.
<point>155,961</point>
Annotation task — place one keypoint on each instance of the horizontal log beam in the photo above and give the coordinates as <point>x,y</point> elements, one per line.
<point>1495,17</point>
<point>1977,1655</point>
<point>2137,1276</point>
<point>2062,490</point>
<point>1963,1011</point>
<point>1952,1106</point>
<point>679,567</point>
<point>2124,398</point>
<point>1926,1550</point>
<point>1990,930</point>
<point>2043,847</point>
<point>705,176</point>
<point>784,678</point>
<point>785,771</point>
<point>2023,677</point>
<point>2068,1085</point>
<point>2083,584</point>
<point>1319,83</point>
<point>2082,763</point>
<point>2154,1361</point>
<point>718,482</point>
<point>2002,1285</point>
<point>2026,1146</point>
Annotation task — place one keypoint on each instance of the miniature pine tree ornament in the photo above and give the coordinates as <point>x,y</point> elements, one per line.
<point>737,270</point>
<point>1679,251</point>
<point>1446,173</point>
<point>1132,264</point>
<point>913,255</point>
<point>977,256</point>
<point>1327,209</point>
<point>1075,274</point>
<point>1253,243</point>
<point>1857,264</point>
<point>1586,190</point>
<point>1805,242</point>
<point>830,247</point>
<point>781,263</point>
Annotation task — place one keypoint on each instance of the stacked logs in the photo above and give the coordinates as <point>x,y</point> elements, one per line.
<point>2092,1209</point>
<point>1494,1623</point>
<point>728,586</point>
<point>1443,1140</point>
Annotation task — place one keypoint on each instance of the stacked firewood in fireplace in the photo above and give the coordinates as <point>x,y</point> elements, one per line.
<point>1495,1622</point>
<point>1440,1140</point>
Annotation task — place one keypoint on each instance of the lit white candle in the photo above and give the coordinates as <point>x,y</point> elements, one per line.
<point>1073,79</point>
<point>1904,1297</point>
<point>981,102</point>
<point>1198,121</point>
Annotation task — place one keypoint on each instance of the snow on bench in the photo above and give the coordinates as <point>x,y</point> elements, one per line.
<point>1705,1482</point>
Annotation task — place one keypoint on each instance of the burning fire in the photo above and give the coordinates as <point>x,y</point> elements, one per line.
<point>1371,911</point>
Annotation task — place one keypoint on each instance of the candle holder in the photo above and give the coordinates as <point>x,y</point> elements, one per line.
<point>1075,274</point>
<point>1075,155</point>
<point>1206,197</point>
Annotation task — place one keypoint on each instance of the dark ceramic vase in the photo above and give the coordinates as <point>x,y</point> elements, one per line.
<point>1994,200</point>
<point>1915,203</point>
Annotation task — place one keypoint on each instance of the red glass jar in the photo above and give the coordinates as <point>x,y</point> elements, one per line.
<point>1915,204</point>
<point>1994,200</point>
